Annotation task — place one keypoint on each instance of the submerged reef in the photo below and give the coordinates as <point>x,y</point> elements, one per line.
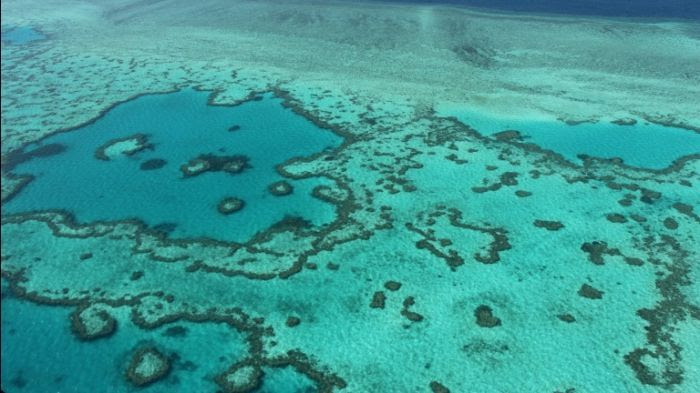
<point>230,205</point>
<point>411,251</point>
<point>280,188</point>
<point>126,146</point>
<point>485,318</point>
<point>147,366</point>
<point>152,164</point>
<point>212,163</point>
<point>92,322</point>
<point>458,243</point>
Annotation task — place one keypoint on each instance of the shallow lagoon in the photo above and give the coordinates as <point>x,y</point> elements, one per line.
<point>21,35</point>
<point>199,351</point>
<point>180,126</point>
<point>643,145</point>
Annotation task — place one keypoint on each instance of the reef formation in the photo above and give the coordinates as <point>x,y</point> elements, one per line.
<point>452,260</point>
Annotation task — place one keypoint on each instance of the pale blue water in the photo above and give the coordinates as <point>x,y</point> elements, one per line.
<point>21,35</point>
<point>181,126</point>
<point>644,145</point>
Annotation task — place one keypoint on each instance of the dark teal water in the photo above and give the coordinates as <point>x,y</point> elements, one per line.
<point>181,126</point>
<point>680,9</point>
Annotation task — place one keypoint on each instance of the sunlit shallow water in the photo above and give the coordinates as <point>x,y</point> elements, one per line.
<point>643,144</point>
<point>21,35</point>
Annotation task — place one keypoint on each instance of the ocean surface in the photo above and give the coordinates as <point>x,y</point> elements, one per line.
<point>268,197</point>
<point>680,9</point>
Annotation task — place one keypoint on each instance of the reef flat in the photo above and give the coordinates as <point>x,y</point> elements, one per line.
<point>414,250</point>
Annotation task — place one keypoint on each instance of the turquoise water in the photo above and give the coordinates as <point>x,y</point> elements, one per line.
<point>47,357</point>
<point>644,145</point>
<point>285,380</point>
<point>443,261</point>
<point>21,35</point>
<point>180,126</point>
<point>58,362</point>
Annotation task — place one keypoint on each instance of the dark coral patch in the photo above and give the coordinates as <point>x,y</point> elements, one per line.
<point>649,196</point>
<point>597,249</point>
<point>590,292</point>
<point>638,218</point>
<point>147,366</point>
<point>437,387</point>
<point>548,225</point>
<point>616,218</point>
<point>625,121</point>
<point>505,179</point>
<point>508,135</point>
<point>410,315</point>
<point>670,223</point>
<point>568,318</point>
<point>14,158</point>
<point>212,163</point>
<point>378,300</point>
<point>634,261</point>
<point>176,331</point>
<point>230,205</point>
<point>392,285</point>
<point>155,163</point>
<point>485,318</point>
<point>293,321</point>
<point>523,193</point>
<point>280,188</point>
<point>686,210</point>
<point>509,178</point>
<point>626,202</point>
